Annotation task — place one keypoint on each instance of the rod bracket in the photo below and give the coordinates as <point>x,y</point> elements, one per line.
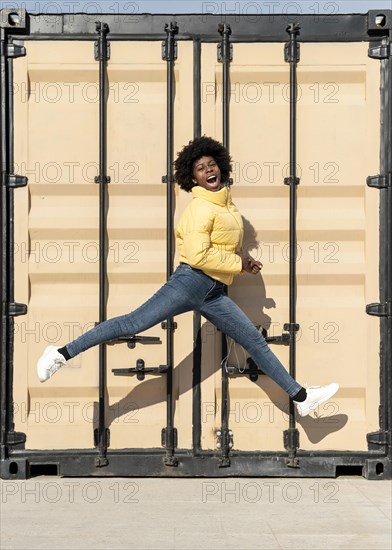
<point>224,438</point>
<point>15,50</point>
<point>380,309</point>
<point>13,181</point>
<point>380,182</point>
<point>291,327</point>
<point>169,437</point>
<point>224,48</point>
<point>105,179</point>
<point>96,441</point>
<point>167,179</point>
<point>97,55</point>
<point>292,48</point>
<point>288,56</point>
<point>169,46</point>
<point>291,181</point>
<point>221,57</point>
<point>165,55</point>
<point>100,54</point>
<point>291,443</point>
<point>13,309</point>
<point>169,325</point>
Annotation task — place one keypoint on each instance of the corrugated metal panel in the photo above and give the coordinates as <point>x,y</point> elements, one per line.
<point>57,230</point>
<point>338,104</point>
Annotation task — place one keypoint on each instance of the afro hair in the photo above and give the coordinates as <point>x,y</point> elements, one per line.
<point>200,147</point>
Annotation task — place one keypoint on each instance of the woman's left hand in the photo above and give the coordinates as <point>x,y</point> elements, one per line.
<point>250,265</point>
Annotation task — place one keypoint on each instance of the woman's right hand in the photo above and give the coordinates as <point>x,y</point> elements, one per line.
<point>250,265</point>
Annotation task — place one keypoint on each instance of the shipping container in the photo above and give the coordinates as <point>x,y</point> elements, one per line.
<point>93,114</point>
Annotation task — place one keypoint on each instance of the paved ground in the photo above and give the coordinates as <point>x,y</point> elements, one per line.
<point>116,513</point>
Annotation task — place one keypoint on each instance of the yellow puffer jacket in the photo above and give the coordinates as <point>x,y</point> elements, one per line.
<point>209,234</point>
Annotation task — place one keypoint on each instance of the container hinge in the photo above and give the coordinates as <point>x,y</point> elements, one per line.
<point>169,324</point>
<point>380,310</point>
<point>380,52</point>
<point>15,438</point>
<point>15,50</point>
<point>379,438</point>
<point>169,437</point>
<point>13,309</point>
<point>290,180</point>
<point>380,182</point>
<point>13,181</point>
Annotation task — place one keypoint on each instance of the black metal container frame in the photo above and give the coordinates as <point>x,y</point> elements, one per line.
<point>16,462</point>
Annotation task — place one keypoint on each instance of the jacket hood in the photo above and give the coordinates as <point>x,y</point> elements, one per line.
<point>221,197</point>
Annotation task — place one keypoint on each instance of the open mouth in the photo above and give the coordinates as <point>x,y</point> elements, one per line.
<point>211,179</point>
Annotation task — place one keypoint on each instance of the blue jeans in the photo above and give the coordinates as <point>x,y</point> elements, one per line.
<point>190,289</point>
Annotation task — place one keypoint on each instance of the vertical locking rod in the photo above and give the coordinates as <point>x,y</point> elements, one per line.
<point>102,435</point>
<point>170,54</point>
<point>291,436</point>
<point>196,369</point>
<point>225,58</point>
<point>386,268</point>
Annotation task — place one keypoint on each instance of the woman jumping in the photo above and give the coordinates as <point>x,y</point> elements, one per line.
<point>209,242</point>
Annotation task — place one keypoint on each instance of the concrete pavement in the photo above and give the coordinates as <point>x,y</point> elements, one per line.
<point>149,513</point>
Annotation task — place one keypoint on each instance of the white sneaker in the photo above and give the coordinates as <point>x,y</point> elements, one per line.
<point>315,396</point>
<point>49,363</point>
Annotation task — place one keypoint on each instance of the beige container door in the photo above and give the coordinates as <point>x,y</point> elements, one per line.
<point>337,229</point>
<point>56,237</point>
